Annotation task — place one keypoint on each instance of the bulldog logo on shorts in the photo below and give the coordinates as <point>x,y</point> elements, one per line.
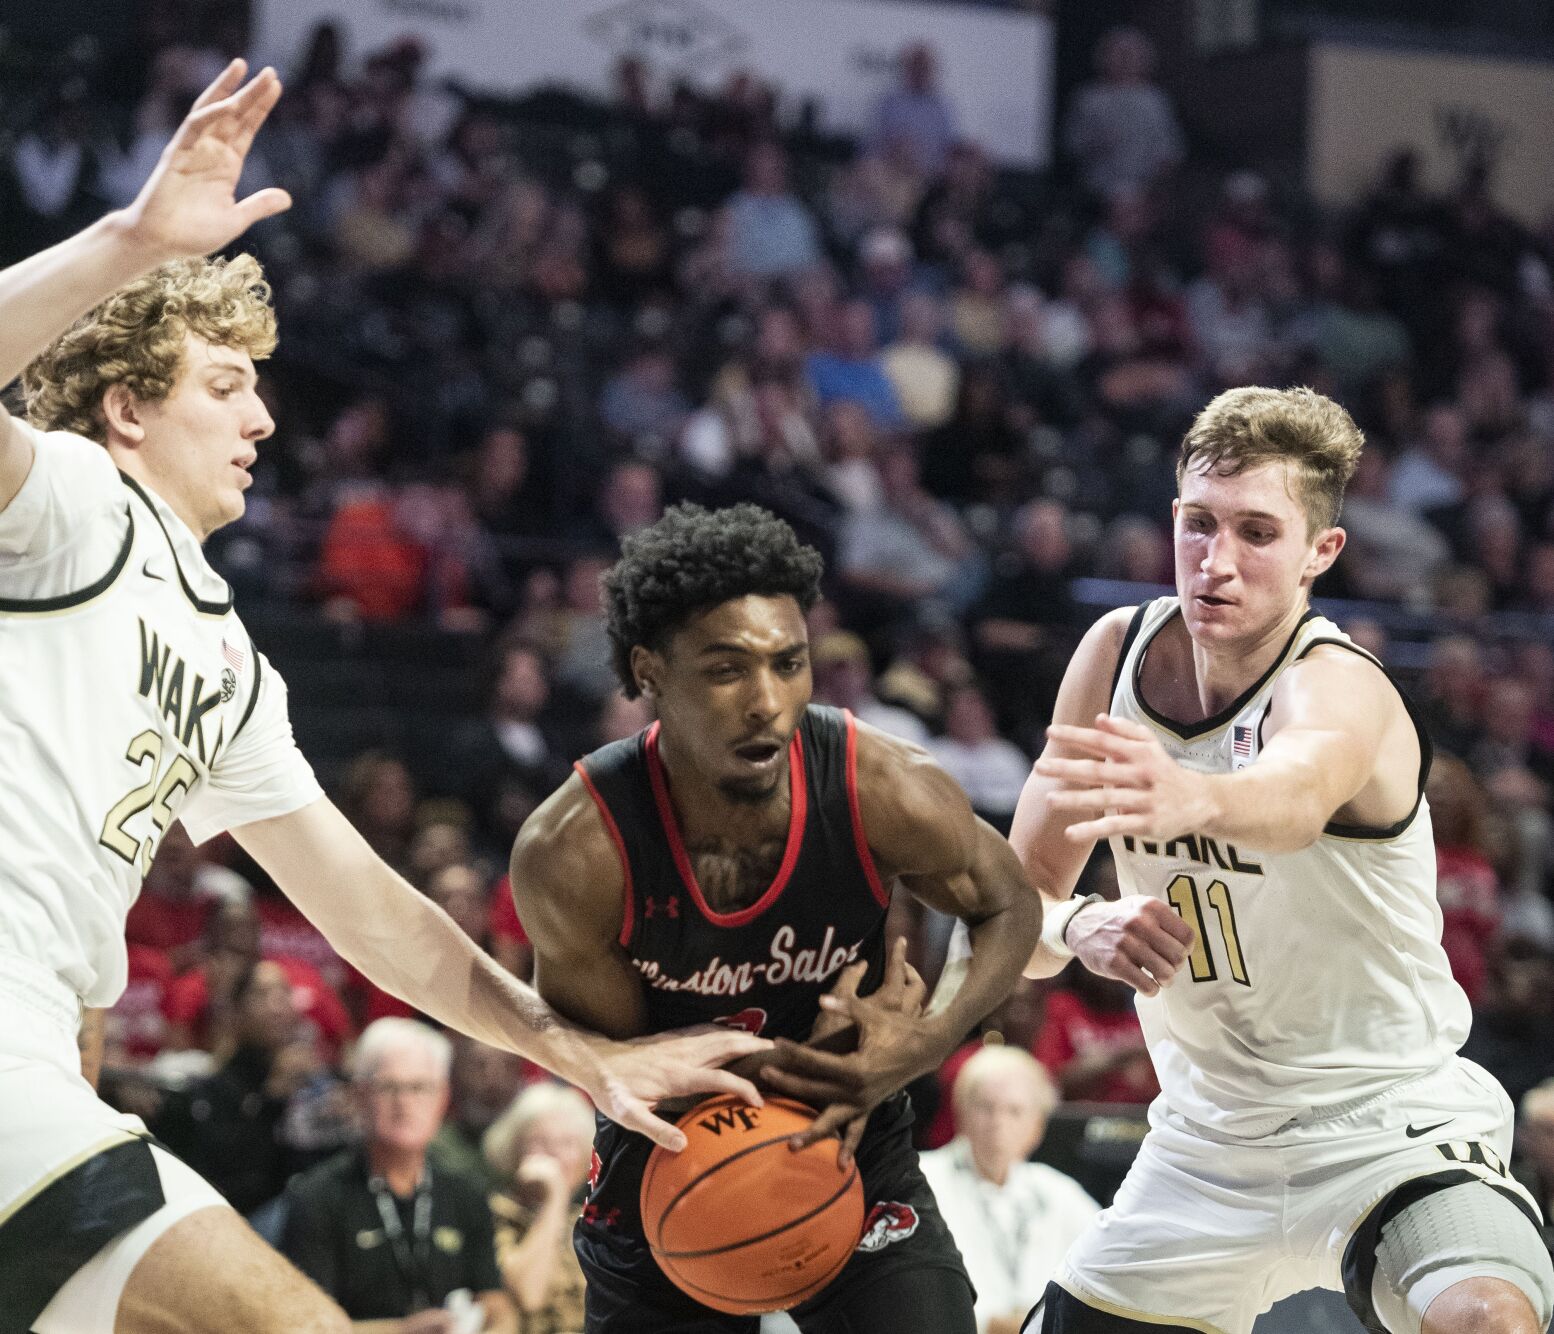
<point>887,1222</point>
<point>750,1021</point>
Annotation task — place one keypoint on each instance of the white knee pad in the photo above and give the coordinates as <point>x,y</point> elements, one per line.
<point>1472,1230</point>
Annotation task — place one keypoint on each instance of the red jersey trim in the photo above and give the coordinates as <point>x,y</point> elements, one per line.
<point>798,809</point>
<point>629,915</point>
<point>860,839</point>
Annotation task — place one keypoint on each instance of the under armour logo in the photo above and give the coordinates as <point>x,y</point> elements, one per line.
<point>669,906</point>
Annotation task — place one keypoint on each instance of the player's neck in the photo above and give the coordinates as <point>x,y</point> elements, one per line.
<point>1223,673</point>
<point>704,811</point>
<point>400,1168</point>
<point>131,464</point>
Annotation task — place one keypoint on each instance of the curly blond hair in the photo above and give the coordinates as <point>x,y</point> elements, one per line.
<point>136,338</point>
<point>1244,428</point>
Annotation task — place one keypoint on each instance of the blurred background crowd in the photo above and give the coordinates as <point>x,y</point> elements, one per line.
<point>513,330</point>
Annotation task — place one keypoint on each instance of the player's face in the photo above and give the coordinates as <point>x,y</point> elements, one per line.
<point>730,690</point>
<point>1245,557</point>
<point>201,440</point>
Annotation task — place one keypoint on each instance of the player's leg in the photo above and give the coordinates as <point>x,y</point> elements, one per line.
<point>211,1273</point>
<point>903,1301</point>
<point>1482,1306</point>
<point>192,1266</point>
<point>1463,1258</point>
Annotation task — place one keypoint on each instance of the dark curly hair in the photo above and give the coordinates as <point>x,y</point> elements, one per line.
<point>691,560</point>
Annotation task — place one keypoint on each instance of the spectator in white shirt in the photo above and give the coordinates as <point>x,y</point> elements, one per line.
<point>991,769</point>
<point>1013,1220</point>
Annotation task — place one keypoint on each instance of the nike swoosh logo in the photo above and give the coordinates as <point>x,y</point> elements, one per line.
<point>1414,1132</point>
<point>151,574</point>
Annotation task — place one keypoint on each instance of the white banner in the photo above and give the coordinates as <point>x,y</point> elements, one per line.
<point>995,67</point>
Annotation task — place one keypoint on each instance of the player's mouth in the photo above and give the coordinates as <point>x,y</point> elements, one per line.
<point>759,754</point>
<point>1210,601</point>
<point>243,465</point>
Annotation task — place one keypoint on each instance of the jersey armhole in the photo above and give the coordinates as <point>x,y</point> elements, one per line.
<point>1376,833</point>
<point>860,838</point>
<point>1134,626</point>
<point>629,906</point>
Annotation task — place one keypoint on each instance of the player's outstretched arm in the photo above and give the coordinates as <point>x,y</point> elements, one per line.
<point>920,828</point>
<point>188,206</point>
<point>411,948</point>
<point>1331,715</point>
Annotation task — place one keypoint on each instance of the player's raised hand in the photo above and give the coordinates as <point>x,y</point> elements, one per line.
<point>1126,783</point>
<point>633,1077</point>
<point>1138,940</point>
<point>189,205</point>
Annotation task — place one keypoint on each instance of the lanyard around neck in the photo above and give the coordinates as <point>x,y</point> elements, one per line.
<point>413,1254</point>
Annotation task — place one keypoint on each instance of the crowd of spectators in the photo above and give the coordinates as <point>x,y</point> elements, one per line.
<point>512,331</point>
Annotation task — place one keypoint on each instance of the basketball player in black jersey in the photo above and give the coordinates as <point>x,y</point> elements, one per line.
<point>730,864</point>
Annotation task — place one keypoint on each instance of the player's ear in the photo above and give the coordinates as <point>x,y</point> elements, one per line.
<point>646,669</point>
<point>122,413</point>
<point>1330,541</point>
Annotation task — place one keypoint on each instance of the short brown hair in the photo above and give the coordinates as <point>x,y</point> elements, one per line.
<point>1244,428</point>
<point>136,338</point>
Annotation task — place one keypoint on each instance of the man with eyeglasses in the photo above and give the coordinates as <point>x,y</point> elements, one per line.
<point>390,1235</point>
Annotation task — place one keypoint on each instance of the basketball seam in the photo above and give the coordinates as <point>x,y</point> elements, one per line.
<point>716,1167</point>
<point>764,1236</point>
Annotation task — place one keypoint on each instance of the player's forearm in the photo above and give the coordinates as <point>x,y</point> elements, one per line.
<point>1269,807</point>
<point>40,297</point>
<point>90,1039</point>
<point>1001,946</point>
<point>411,948</point>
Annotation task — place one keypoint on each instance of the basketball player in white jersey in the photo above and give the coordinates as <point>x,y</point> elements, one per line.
<point>1260,780</point>
<point>133,696</point>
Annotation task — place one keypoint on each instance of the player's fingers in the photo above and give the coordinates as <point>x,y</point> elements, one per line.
<point>851,1138</point>
<point>1124,727</point>
<point>1172,923</point>
<point>254,106</point>
<point>1163,943</point>
<point>830,1122</point>
<point>263,204</point>
<point>1091,741</point>
<point>1125,970</point>
<point>722,1081</point>
<point>223,85</point>
<point>817,1064</point>
<point>636,1116</point>
<point>1095,830</point>
<point>813,1091</point>
<point>914,990</point>
<point>708,1044</point>
<point>1143,956</point>
<point>847,983</point>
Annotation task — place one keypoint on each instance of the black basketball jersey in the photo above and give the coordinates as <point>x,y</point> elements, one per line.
<point>762,968</point>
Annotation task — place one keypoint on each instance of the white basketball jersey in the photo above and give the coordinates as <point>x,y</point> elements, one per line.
<point>132,697</point>
<point>1318,977</point>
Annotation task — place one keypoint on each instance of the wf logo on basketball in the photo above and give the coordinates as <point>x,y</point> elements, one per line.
<point>727,1118</point>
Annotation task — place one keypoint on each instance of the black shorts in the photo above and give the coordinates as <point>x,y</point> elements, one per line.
<point>906,1276</point>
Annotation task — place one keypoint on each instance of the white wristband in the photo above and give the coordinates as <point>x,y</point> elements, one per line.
<point>1054,926</point>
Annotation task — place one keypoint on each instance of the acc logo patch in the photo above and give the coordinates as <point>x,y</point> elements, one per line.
<point>888,1221</point>
<point>228,684</point>
<point>750,1021</point>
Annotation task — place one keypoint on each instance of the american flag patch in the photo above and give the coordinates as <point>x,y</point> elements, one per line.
<point>235,656</point>
<point>1241,742</point>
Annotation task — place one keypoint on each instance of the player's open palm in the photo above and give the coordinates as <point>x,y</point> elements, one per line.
<point>189,205</point>
<point>1122,783</point>
<point>1138,940</point>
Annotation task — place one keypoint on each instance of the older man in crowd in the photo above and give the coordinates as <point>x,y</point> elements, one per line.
<point>403,1247</point>
<point>1012,1219</point>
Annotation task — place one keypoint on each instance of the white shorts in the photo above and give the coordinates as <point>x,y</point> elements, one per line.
<point>83,1193</point>
<point>1208,1231</point>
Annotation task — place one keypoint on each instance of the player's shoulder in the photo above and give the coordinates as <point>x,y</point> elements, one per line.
<point>1337,674</point>
<point>911,810</point>
<point>565,852</point>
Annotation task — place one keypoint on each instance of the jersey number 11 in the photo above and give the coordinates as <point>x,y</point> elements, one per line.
<point>1182,894</point>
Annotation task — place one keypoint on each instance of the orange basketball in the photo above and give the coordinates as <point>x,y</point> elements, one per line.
<point>740,1222</point>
